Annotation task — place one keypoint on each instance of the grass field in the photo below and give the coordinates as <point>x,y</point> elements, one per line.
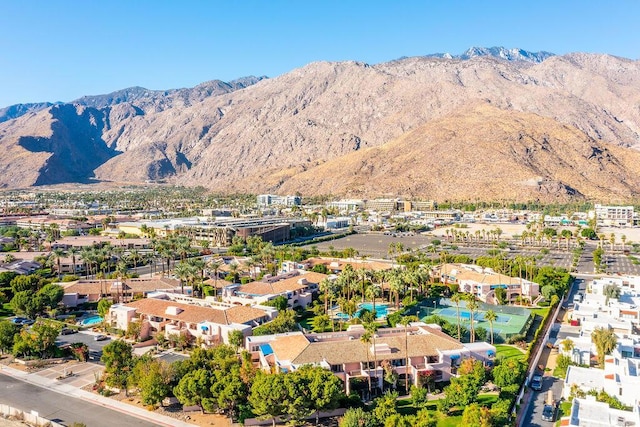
<point>454,418</point>
<point>508,352</point>
<point>5,311</point>
<point>541,311</point>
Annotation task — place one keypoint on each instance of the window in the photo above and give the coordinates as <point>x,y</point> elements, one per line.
<point>337,368</point>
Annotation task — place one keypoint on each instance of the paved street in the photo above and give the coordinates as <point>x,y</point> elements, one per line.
<point>533,416</point>
<point>62,409</point>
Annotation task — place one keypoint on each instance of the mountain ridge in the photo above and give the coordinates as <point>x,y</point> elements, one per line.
<point>256,137</point>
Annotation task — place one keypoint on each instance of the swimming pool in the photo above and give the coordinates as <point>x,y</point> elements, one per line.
<point>381,311</point>
<point>90,321</point>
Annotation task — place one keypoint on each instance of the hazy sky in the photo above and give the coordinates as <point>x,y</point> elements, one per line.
<point>60,50</point>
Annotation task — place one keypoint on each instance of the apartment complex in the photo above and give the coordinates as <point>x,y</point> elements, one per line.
<point>432,355</point>
<point>200,321</point>
<point>482,282</point>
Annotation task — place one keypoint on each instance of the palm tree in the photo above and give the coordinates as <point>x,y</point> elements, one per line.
<point>326,286</point>
<point>491,316</point>
<point>58,254</point>
<point>73,252</point>
<point>405,321</point>
<point>372,292</point>
<point>605,341</point>
<point>183,271</point>
<point>366,340</point>
<point>624,240</point>
<point>472,306</point>
<point>456,298</point>
<point>612,240</point>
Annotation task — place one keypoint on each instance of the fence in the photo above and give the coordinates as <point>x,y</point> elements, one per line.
<point>31,418</point>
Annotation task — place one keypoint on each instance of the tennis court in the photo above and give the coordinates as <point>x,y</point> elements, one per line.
<point>505,325</point>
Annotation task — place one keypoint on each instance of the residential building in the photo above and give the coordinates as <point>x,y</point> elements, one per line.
<point>482,282</point>
<point>433,355</point>
<point>297,287</point>
<point>202,322</point>
<point>121,290</point>
<point>589,412</point>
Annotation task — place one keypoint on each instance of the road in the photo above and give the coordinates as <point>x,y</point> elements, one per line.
<point>64,410</point>
<point>533,417</point>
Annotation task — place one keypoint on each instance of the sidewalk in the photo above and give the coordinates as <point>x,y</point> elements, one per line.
<point>68,390</point>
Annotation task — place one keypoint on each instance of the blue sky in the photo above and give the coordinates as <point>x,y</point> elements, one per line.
<point>61,50</point>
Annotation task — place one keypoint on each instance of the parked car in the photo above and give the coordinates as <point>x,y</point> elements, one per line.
<point>536,382</point>
<point>100,337</point>
<point>68,331</point>
<point>19,320</point>
<point>548,412</point>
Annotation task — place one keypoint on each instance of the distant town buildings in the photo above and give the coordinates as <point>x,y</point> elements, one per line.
<point>265,200</point>
<point>617,216</point>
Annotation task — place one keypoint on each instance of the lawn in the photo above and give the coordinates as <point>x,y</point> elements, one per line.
<point>5,311</point>
<point>540,311</point>
<point>508,352</point>
<point>451,420</point>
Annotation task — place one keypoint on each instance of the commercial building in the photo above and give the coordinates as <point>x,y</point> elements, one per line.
<point>617,216</point>
<point>265,200</point>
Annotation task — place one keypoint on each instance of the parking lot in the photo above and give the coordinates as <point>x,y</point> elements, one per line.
<point>76,374</point>
<point>88,338</point>
<point>376,245</point>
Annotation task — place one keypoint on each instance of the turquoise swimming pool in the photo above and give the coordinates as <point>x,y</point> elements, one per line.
<point>381,311</point>
<point>90,321</point>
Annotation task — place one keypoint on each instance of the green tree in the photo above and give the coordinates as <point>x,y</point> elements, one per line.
<point>456,298</point>
<point>501,295</point>
<point>475,415</point>
<point>8,330</point>
<point>51,295</point>
<point>509,372</point>
<point>24,302</point>
<point>268,396</point>
<point>605,341</point>
<point>385,406</point>
<point>280,303</point>
<point>103,307</point>
<point>155,381</point>
<point>324,388</point>
<point>194,388</point>
<point>228,390</point>
<point>117,357</point>
<point>425,418</point>
<point>357,417</point>
<point>236,339</point>
<point>321,323</point>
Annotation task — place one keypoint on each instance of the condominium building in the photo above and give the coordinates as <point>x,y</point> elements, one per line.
<point>432,354</point>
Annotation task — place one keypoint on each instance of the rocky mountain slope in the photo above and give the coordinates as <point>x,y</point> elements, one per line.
<point>263,135</point>
<point>481,149</point>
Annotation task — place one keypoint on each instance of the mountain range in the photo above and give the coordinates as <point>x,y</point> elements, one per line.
<point>491,123</point>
